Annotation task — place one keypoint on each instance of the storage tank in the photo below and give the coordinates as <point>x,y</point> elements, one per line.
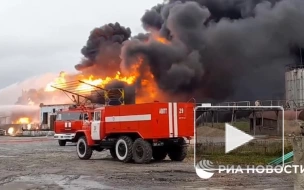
<point>294,86</point>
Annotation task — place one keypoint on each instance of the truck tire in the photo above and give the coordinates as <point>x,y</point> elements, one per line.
<point>142,151</point>
<point>84,151</point>
<point>159,153</point>
<point>178,152</point>
<point>113,153</point>
<point>123,149</point>
<point>61,142</point>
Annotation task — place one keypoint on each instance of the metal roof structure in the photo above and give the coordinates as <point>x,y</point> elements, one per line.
<point>90,92</point>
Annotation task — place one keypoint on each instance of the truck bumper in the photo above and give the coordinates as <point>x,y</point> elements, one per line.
<point>69,136</point>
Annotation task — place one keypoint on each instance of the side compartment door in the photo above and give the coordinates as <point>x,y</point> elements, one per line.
<point>95,127</point>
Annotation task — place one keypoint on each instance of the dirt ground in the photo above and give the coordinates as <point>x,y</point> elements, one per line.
<point>39,163</point>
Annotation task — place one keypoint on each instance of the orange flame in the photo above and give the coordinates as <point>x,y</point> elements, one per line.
<point>10,131</point>
<point>23,120</point>
<point>162,40</point>
<point>30,102</point>
<point>148,91</point>
<point>102,82</point>
<point>59,80</point>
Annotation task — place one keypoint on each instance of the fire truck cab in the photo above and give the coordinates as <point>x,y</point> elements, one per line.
<point>68,122</point>
<point>138,132</point>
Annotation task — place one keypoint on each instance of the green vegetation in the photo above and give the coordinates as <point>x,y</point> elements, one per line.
<point>242,125</point>
<point>239,159</point>
<point>254,153</point>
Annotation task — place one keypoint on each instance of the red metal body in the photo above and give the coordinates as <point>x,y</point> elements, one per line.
<point>68,122</point>
<point>148,121</point>
<point>139,132</point>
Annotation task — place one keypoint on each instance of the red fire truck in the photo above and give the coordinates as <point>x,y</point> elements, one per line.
<point>130,131</point>
<point>137,132</point>
<point>69,121</point>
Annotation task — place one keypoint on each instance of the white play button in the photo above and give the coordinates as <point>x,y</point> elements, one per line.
<point>235,138</point>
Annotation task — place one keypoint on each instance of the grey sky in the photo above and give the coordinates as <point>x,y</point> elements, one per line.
<point>46,36</point>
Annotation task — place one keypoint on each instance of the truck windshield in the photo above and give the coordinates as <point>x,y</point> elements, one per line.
<point>64,116</point>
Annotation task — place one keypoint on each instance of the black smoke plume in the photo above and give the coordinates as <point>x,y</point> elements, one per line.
<point>101,53</point>
<point>216,50</point>
<point>221,50</point>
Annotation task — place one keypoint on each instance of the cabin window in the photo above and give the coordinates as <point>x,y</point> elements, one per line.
<point>67,116</point>
<point>58,117</point>
<point>92,115</point>
<point>85,116</point>
<point>97,116</point>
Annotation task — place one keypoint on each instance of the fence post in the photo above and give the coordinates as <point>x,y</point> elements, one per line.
<point>298,150</point>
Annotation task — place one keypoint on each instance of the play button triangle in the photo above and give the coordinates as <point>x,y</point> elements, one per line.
<point>235,138</point>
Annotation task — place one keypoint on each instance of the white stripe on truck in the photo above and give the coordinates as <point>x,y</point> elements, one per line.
<point>170,119</point>
<point>145,117</point>
<point>175,121</point>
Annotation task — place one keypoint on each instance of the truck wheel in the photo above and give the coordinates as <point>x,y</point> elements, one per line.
<point>123,149</point>
<point>113,153</point>
<point>61,142</point>
<point>159,153</point>
<point>84,151</point>
<point>142,151</point>
<point>178,152</point>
